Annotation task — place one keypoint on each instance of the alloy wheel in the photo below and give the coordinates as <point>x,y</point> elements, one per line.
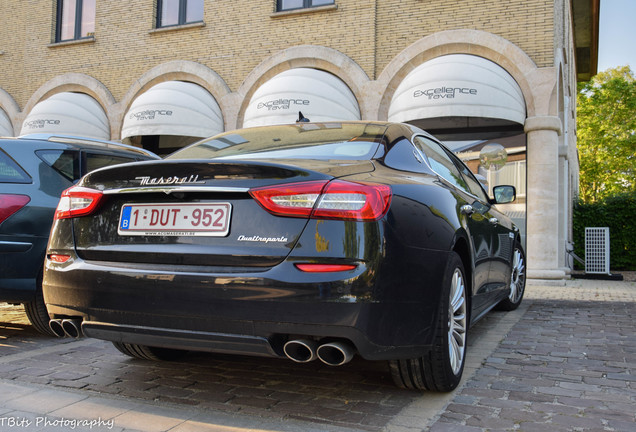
<point>518,279</point>
<point>457,322</point>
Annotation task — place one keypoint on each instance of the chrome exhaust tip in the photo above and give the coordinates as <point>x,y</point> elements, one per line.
<point>335,353</point>
<point>301,350</point>
<point>56,327</point>
<point>72,327</point>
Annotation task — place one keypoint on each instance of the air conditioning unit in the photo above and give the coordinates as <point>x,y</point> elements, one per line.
<point>597,250</point>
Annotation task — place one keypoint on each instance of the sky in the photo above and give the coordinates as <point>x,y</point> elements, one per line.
<point>617,34</point>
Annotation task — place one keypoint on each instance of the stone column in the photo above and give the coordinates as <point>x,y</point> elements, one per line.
<point>543,198</point>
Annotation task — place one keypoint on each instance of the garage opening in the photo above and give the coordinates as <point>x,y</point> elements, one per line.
<point>171,115</point>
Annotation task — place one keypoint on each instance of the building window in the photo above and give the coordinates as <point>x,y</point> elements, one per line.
<point>178,12</point>
<point>285,5</point>
<point>75,19</point>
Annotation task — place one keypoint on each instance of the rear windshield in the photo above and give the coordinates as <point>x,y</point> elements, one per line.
<point>301,141</point>
<point>10,171</point>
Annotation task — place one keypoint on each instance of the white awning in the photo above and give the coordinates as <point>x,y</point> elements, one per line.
<point>458,85</point>
<point>70,114</point>
<point>174,108</point>
<point>6,128</point>
<point>319,95</point>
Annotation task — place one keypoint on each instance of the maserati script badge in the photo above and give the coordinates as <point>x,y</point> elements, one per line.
<point>147,180</point>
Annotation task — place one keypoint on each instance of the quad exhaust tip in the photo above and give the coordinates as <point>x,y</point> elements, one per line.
<point>301,350</point>
<point>56,327</point>
<point>70,327</point>
<point>306,350</point>
<point>335,353</point>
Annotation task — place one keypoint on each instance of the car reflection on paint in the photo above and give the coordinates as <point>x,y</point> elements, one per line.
<point>307,241</point>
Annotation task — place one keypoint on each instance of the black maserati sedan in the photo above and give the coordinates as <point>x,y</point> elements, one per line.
<point>304,241</point>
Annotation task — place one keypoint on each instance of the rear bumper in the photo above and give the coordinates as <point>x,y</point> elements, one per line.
<point>250,313</point>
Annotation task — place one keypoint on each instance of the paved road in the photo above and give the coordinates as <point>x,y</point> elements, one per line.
<point>564,361</point>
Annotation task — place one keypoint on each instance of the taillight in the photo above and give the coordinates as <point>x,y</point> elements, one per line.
<point>295,199</point>
<point>336,199</point>
<point>77,201</point>
<point>353,201</point>
<point>10,203</point>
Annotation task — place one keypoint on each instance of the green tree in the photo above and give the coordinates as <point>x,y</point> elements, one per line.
<point>606,140</point>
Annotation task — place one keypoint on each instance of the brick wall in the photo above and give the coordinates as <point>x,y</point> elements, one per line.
<point>240,34</point>
<point>526,23</point>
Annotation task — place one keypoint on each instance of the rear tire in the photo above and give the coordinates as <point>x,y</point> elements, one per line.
<point>36,310</point>
<point>517,284</point>
<point>148,353</point>
<point>441,369</point>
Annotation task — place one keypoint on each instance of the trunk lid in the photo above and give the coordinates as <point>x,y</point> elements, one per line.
<point>196,213</point>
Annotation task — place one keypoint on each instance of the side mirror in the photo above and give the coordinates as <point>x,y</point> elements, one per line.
<point>504,194</point>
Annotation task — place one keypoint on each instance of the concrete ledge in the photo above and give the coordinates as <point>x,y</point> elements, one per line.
<point>546,282</point>
<point>546,274</point>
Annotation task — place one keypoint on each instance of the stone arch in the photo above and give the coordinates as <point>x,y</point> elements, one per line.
<point>307,56</point>
<point>178,70</point>
<point>73,82</point>
<point>556,106</point>
<point>77,83</point>
<point>502,52</point>
<point>11,109</point>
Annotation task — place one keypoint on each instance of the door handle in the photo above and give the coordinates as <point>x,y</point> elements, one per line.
<point>493,220</point>
<point>467,209</point>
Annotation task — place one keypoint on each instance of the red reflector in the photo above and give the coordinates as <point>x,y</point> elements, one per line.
<point>77,201</point>
<point>324,268</point>
<point>10,203</point>
<point>59,258</point>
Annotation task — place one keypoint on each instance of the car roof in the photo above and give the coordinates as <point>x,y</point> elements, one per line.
<point>59,141</point>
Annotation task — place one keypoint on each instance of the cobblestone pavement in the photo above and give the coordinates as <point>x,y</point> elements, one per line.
<point>568,364</point>
<point>564,361</point>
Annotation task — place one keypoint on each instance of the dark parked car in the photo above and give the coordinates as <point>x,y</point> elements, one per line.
<point>302,241</point>
<point>34,170</point>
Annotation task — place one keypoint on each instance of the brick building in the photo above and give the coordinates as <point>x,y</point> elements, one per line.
<point>162,73</point>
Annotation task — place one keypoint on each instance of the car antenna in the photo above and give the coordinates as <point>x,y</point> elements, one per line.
<point>302,118</point>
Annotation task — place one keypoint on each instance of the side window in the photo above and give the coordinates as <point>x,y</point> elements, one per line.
<point>10,171</point>
<point>65,162</point>
<point>178,12</point>
<point>473,184</point>
<point>100,160</point>
<point>440,162</point>
<point>75,19</point>
<point>284,5</point>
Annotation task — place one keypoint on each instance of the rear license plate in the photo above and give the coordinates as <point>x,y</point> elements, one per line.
<point>196,219</point>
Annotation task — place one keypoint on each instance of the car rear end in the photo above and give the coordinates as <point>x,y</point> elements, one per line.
<point>230,255</point>
<point>28,196</point>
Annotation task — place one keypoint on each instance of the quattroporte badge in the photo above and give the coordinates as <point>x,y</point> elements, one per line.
<point>260,239</point>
